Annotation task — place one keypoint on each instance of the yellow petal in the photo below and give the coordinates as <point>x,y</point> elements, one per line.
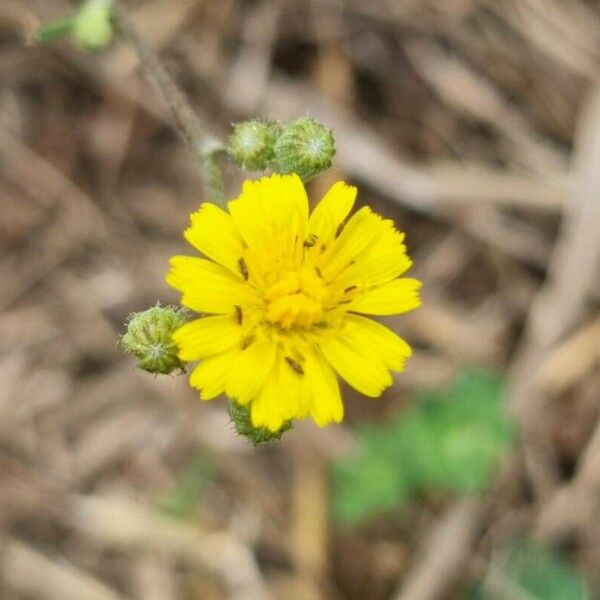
<point>213,233</point>
<point>272,215</point>
<point>381,261</point>
<point>363,371</point>
<point>330,213</point>
<point>252,366</point>
<point>266,410</point>
<point>325,400</point>
<point>210,376</point>
<point>397,296</point>
<point>362,229</point>
<point>207,336</point>
<point>209,287</point>
<point>377,340</point>
<point>285,395</point>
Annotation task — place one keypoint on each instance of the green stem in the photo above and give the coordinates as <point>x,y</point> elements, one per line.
<point>212,172</point>
<point>189,125</point>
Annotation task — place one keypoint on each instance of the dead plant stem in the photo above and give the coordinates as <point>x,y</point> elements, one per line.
<point>204,146</point>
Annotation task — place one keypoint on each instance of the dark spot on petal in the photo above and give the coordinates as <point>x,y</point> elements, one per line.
<point>239,314</point>
<point>350,288</point>
<point>318,272</point>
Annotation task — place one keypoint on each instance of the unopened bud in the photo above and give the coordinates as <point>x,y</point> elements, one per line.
<point>305,147</point>
<point>149,338</point>
<point>252,142</point>
<point>242,422</point>
<point>93,28</point>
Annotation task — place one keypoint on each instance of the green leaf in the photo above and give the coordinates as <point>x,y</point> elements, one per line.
<point>183,500</point>
<point>536,573</point>
<point>450,441</point>
<point>367,486</point>
<point>55,31</point>
<point>473,432</point>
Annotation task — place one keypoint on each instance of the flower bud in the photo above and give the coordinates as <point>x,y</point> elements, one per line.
<point>251,143</point>
<point>93,28</point>
<point>305,147</point>
<point>149,338</point>
<point>242,423</point>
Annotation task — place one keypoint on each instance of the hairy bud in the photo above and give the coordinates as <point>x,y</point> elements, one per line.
<point>252,142</point>
<point>305,147</point>
<point>149,338</point>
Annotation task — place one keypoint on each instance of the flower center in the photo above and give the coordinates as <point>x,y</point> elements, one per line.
<point>296,300</point>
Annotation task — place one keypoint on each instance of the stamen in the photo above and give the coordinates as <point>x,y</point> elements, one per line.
<point>248,341</point>
<point>311,240</point>
<point>350,288</point>
<point>295,365</point>
<point>239,314</point>
<point>243,268</point>
<point>318,272</point>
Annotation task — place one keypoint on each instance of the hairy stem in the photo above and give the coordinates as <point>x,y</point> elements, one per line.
<point>205,147</point>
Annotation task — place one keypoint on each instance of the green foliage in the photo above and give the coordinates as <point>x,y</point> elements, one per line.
<point>450,441</point>
<point>537,573</point>
<point>183,500</point>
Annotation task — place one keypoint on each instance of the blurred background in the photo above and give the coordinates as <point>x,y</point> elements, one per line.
<point>475,125</point>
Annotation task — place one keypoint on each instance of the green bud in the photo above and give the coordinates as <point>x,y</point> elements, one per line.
<point>149,338</point>
<point>93,28</point>
<point>251,143</point>
<point>240,417</point>
<point>305,147</point>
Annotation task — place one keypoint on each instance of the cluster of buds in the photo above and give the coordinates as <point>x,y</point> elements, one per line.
<point>303,146</point>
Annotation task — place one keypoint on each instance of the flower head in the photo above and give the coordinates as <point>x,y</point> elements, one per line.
<point>285,294</point>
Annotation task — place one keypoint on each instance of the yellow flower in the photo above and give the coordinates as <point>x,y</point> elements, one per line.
<point>284,294</point>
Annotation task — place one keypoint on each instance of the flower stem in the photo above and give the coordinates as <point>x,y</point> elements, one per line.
<point>205,147</point>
